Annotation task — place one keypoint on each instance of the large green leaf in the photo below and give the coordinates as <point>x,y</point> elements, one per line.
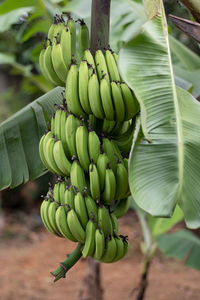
<point>182,244</point>
<point>19,139</point>
<point>165,160</point>
<point>162,225</point>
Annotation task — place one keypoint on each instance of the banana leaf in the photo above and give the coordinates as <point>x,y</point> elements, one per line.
<point>182,244</point>
<point>19,139</point>
<point>164,164</point>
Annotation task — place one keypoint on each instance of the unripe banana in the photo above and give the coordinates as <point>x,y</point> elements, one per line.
<point>120,249</point>
<point>77,176</point>
<point>49,69</point>
<point>130,102</point>
<point>51,215</point>
<point>61,222</point>
<point>72,97</point>
<point>91,206</point>
<point>89,247</point>
<point>108,126</point>
<point>80,209</point>
<point>57,32</point>
<point>90,60</point>
<point>82,147</point>
<point>110,186</point>
<point>69,196</point>
<point>114,223</point>
<point>110,251</point>
<point>101,65</point>
<point>83,79</point>
<point>42,155</point>
<point>60,158</point>
<point>48,153</point>
<point>65,42</point>
<point>84,39</point>
<point>75,226</point>
<point>106,99</point>
<point>121,181</point>
<point>43,211</point>
<point>118,101</point>
<point>94,96</point>
<point>58,61</point>
<point>71,126</point>
<point>122,207</point>
<point>93,146</point>
<point>102,162</point>
<point>57,123</point>
<point>41,63</point>
<point>110,152</point>
<point>112,66</point>
<point>104,220</point>
<point>51,29</point>
<point>72,27</point>
<point>94,181</point>
<point>99,244</point>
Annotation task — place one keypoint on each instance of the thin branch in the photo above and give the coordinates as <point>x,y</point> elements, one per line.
<point>66,265</point>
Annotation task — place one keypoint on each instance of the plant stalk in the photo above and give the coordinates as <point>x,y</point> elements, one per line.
<point>148,253</point>
<point>194,7</point>
<point>100,24</point>
<point>66,265</point>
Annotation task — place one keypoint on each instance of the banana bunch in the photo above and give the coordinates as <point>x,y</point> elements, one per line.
<point>67,212</point>
<point>59,49</point>
<point>95,87</point>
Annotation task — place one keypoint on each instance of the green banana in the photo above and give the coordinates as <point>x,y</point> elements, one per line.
<point>121,181</point>
<point>102,162</point>
<point>118,102</point>
<point>114,223</point>
<point>101,66</point>
<point>108,126</point>
<point>110,186</point>
<point>99,244</point>
<point>94,181</point>
<point>69,196</point>
<point>122,207</point>
<point>84,39</point>
<point>130,102</point>
<point>61,222</point>
<point>89,247</point>
<point>49,69</point>
<point>106,99</point>
<point>83,79</point>
<point>60,158</point>
<point>112,66</point>
<point>71,126</point>
<point>72,27</point>
<point>75,226</point>
<point>58,61</point>
<point>104,220</point>
<point>51,215</point>
<point>43,212</point>
<point>72,97</point>
<point>80,209</point>
<point>48,153</point>
<point>90,60</point>
<point>57,123</point>
<point>94,96</point>
<point>93,146</point>
<point>42,155</point>
<point>77,175</point>
<point>82,147</point>
<point>110,251</point>
<point>41,63</point>
<point>110,152</point>
<point>65,42</point>
<point>120,249</point>
<point>91,206</point>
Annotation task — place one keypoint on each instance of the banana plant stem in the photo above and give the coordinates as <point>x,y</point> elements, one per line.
<point>148,253</point>
<point>100,25</point>
<point>66,265</point>
<point>194,7</point>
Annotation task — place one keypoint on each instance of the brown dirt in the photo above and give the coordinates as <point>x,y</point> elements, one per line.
<point>28,257</point>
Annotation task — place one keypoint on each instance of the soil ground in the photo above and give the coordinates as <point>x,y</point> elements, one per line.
<point>28,253</point>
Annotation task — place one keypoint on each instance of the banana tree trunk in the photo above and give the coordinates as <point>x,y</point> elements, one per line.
<point>91,286</point>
